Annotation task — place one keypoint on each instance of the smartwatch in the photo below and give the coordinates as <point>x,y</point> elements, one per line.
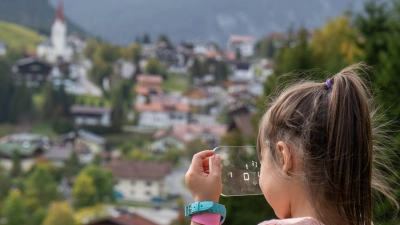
<point>207,206</point>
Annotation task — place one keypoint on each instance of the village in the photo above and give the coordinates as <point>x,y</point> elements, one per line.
<point>183,98</point>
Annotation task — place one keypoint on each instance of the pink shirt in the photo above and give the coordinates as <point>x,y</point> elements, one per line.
<point>293,221</point>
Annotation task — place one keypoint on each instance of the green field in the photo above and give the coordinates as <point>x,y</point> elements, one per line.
<point>175,83</point>
<point>19,37</point>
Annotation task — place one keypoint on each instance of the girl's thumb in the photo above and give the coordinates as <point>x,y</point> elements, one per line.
<point>215,165</point>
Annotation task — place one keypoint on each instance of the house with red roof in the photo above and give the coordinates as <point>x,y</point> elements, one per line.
<point>245,44</point>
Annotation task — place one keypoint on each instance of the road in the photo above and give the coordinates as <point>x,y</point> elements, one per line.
<point>175,185</point>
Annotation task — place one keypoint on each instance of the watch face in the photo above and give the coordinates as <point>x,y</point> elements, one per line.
<point>240,170</point>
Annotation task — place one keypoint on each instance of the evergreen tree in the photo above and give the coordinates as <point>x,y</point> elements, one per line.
<point>146,39</point>
<point>221,71</point>
<point>16,169</point>
<point>72,165</point>
<point>374,26</point>
<point>117,113</point>
<point>20,104</point>
<point>37,194</point>
<point>196,70</point>
<point>60,213</point>
<point>6,89</point>
<point>13,210</point>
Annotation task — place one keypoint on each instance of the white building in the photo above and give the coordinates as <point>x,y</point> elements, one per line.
<point>162,115</point>
<point>57,48</point>
<point>139,180</point>
<point>245,44</point>
<point>242,71</point>
<point>91,116</point>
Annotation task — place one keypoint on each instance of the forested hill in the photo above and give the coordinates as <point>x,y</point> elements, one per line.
<point>35,14</point>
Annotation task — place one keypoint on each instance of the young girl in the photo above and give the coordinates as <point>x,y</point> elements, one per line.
<point>315,145</point>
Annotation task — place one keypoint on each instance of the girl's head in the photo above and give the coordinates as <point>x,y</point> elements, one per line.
<point>326,129</point>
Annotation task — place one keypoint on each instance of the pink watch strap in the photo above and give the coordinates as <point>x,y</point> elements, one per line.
<point>206,218</point>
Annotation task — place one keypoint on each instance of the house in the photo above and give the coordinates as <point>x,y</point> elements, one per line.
<point>162,114</point>
<point>32,71</point>
<point>163,140</point>
<point>244,44</point>
<point>147,85</point>
<point>240,120</point>
<point>242,70</point>
<point>199,98</point>
<point>91,115</point>
<point>180,134</point>
<point>87,144</point>
<point>58,154</point>
<point>3,48</point>
<point>28,152</point>
<point>139,180</point>
<point>57,48</point>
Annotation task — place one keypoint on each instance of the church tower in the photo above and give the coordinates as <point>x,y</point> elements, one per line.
<point>59,33</point>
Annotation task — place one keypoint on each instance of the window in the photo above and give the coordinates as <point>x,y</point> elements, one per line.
<point>132,182</point>
<point>148,193</point>
<point>148,183</point>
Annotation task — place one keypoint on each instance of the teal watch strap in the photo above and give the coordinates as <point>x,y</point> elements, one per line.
<point>208,206</point>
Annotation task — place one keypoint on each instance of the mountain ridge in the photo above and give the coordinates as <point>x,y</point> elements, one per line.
<point>122,21</point>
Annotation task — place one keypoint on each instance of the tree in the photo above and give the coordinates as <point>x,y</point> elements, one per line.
<point>333,45</point>
<point>155,67</point>
<point>5,186</point>
<point>133,52</point>
<point>146,39</point>
<point>16,169</point>
<point>164,38</point>
<point>196,70</point>
<point>14,209</point>
<point>38,216</point>
<point>221,71</point>
<point>103,181</point>
<point>37,194</point>
<point>374,27</point>
<point>72,165</point>
<point>117,109</point>
<point>21,103</point>
<point>60,213</point>
<point>6,89</point>
<point>83,191</point>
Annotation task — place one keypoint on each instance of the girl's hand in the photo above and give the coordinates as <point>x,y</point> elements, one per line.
<point>204,176</point>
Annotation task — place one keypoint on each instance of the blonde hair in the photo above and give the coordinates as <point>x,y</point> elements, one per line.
<point>332,129</point>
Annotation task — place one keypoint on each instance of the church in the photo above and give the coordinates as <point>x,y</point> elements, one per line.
<point>57,48</point>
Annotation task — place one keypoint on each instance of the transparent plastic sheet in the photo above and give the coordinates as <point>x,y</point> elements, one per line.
<point>240,171</point>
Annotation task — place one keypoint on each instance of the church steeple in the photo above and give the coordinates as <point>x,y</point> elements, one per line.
<point>60,12</point>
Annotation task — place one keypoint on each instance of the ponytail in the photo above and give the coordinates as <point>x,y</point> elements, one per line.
<point>350,147</point>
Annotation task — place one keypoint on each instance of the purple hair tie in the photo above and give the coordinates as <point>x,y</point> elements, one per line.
<point>328,83</point>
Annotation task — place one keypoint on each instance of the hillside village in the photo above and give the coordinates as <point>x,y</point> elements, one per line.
<point>100,134</point>
<point>167,101</point>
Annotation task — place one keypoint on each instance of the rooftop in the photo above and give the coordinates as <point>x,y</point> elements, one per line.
<point>78,109</point>
<point>138,169</point>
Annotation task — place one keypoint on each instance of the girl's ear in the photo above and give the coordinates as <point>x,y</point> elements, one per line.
<point>285,156</point>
